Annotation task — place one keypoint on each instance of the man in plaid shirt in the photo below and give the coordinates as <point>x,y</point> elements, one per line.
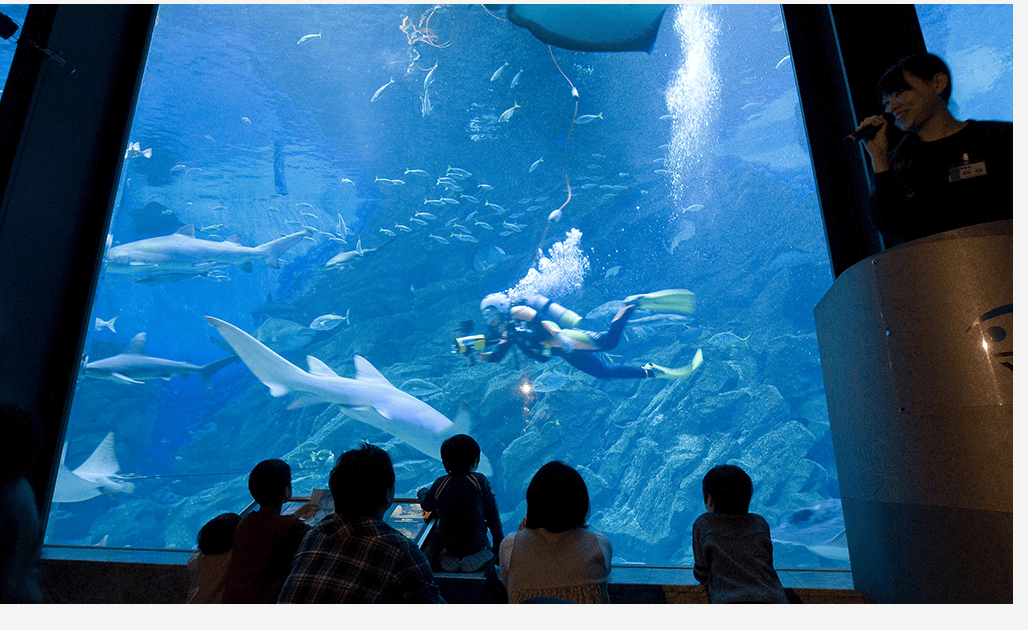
<point>353,556</point>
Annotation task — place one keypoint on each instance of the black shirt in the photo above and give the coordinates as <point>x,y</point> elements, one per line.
<point>960,180</point>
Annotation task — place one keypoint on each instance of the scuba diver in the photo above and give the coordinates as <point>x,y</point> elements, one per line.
<point>542,329</point>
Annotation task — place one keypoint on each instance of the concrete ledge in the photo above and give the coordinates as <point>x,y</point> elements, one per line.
<point>66,581</point>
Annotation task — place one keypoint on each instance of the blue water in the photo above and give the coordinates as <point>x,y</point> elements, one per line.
<point>696,177</point>
<point>17,14</point>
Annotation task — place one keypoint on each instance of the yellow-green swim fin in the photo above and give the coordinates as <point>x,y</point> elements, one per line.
<point>666,301</point>
<point>682,372</point>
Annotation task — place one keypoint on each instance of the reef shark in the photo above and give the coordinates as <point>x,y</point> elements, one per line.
<point>182,255</point>
<point>369,397</point>
<point>134,367</point>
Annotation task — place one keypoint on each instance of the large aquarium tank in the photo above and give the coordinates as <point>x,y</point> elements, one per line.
<point>346,183</point>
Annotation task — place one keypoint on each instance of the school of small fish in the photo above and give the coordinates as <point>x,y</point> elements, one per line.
<point>466,209</point>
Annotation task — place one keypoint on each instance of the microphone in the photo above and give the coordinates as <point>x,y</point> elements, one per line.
<point>867,132</point>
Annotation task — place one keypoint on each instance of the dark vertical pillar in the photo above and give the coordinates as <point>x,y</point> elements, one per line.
<point>64,120</point>
<point>839,51</point>
<point>920,403</point>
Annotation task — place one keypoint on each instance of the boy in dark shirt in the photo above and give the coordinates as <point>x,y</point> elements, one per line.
<point>465,505</point>
<point>265,541</point>
<point>731,547</point>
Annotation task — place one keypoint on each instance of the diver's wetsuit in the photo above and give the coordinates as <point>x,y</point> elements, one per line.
<point>537,343</point>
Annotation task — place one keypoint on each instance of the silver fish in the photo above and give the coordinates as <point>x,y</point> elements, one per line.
<point>100,324</point>
<point>588,118</point>
<point>307,38</point>
<point>381,89</point>
<point>431,75</point>
<point>426,105</point>
<point>439,238</point>
<point>535,165</point>
<point>726,340</point>
<point>517,77</point>
<point>505,116</point>
<point>499,71</point>
<point>328,322</point>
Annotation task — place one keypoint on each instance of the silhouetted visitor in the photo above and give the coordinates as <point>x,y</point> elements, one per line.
<point>265,541</point>
<point>553,554</point>
<point>353,556</point>
<point>731,547</point>
<point>464,504</point>
<point>21,535</point>
<point>209,563</point>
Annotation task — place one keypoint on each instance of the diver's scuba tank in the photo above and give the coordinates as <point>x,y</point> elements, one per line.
<point>551,311</point>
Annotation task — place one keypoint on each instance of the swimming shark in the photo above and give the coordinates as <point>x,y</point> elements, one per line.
<point>133,366</point>
<point>182,255</point>
<point>369,397</point>
<point>97,475</point>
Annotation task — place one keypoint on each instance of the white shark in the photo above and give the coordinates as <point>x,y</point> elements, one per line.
<point>369,397</point>
<point>97,475</point>
<point>133,366</point>
<point>182,255</point>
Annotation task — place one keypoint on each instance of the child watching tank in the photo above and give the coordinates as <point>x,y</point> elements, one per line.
<point>464,503</point>
<point>732,548</point>
<point>208,564</point>
<point>265,541</point>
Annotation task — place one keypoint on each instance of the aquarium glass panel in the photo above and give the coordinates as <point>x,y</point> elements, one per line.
<point>348,182</point>
<point>977,43</point>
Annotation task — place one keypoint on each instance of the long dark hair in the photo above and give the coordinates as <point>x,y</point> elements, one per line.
<point>558,499</point>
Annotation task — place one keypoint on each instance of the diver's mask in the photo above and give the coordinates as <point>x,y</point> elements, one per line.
<point>494,308</point>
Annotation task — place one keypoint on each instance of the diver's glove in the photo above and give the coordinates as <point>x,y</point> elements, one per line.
<point>652,369</point>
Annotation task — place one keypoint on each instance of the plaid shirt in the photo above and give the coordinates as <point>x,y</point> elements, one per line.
<point>359,561</point>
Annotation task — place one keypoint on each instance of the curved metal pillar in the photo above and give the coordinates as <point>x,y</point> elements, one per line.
<point>916,348</point>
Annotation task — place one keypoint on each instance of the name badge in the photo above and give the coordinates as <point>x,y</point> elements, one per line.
<point>966,171</point>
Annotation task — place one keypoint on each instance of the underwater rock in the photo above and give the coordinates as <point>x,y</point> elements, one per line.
<point>136,523</point>
<point>656,500</point>
<point>185,518</point>
<point>524,457</point>
<point>800,353</point>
